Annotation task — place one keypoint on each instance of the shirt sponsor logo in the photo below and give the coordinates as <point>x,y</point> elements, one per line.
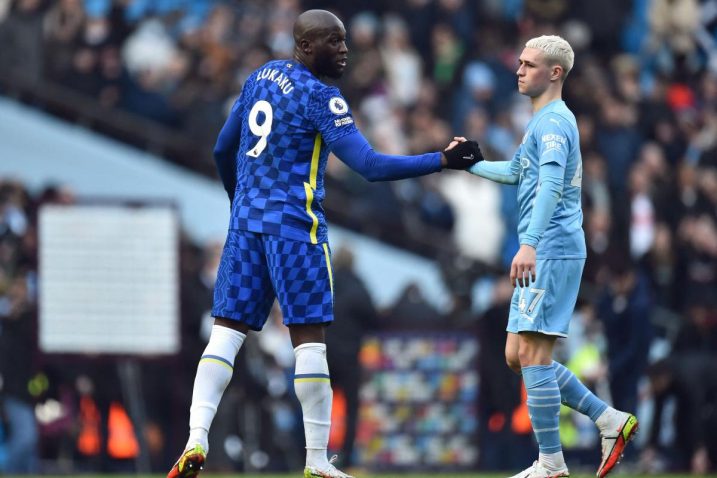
<point>553,142</point>
<point>554,137</point>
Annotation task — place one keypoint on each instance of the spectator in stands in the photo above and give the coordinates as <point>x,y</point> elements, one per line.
<point>625,313</point>
<point>447,54</point>
<point>661,267</point>
<point>401,62</point>
<point>499,403</point>
<point>366,75</point>
<point>671,38</point>
<point>690,378</point>
<point>413,312</point>
<point>618,142</point>
<point>17,358</point>
<point>63,24</point>
<point>17,331</point>
<point>22,54</point>
<point>355,317</point>
<point>698,252</point>
<point>642,219</point>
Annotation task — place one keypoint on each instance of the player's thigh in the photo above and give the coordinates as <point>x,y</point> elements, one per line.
<point>302,278</point>
<point>243,290</point>
<point>546,305</point>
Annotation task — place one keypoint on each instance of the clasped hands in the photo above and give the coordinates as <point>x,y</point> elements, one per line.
<point>461,154</point>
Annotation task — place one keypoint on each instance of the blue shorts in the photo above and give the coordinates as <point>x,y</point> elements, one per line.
<point>257,268</point>
<point>546,305</point>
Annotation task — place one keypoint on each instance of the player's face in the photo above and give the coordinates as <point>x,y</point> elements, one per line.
<point>533,73</point>
<point>330,51</point>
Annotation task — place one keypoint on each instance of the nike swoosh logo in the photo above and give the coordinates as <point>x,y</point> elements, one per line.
<point>468,157</point>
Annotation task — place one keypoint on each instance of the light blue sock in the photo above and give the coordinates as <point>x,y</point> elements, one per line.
<point>543,406</point>
<point>576,395</point>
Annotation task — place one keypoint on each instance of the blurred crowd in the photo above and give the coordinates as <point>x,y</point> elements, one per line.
<point>644,91</point>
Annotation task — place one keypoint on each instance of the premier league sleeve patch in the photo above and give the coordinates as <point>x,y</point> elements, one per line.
<point>335,121</point>
<point>338,106</point>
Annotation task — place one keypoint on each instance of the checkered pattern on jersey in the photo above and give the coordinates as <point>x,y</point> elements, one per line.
<point>257,268</point>
<point>271,194</point>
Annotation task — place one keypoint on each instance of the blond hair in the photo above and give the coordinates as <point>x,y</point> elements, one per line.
<point>556,50</point>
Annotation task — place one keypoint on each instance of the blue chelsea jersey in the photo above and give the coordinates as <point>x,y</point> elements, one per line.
<point>289,120</point>
<point>552,136</point>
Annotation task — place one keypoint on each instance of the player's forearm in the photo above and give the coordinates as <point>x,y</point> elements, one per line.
<point>546,200</point>
<point>358,154</point>
<point>225,153</point>
<point>498,171</point>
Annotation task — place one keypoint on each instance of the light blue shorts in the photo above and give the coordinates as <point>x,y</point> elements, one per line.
<point>546,305</point>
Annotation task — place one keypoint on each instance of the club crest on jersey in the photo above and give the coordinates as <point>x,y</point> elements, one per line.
<point>338,106</point>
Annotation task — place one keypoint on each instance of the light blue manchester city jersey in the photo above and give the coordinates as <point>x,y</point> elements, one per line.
<point>552,136</point>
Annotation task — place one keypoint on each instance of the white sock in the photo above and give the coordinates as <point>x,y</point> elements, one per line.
<point>609,420</point>
<point>552,461</point>
<point>214,372</point>
<point>313,389</point>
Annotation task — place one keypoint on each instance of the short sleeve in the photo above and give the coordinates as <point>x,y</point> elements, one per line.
<point>330,114</point>
<point>552,138</point>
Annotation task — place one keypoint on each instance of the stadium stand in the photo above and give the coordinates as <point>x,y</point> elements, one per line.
<point>160,75</point>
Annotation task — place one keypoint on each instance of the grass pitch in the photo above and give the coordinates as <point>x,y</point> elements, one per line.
<point>359,475</point>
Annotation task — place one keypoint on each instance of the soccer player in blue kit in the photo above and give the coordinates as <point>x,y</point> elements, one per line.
<point>271,155</point>
<point>547,268</point>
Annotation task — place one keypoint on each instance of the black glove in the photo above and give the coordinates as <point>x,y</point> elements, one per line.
<point>463,155</point>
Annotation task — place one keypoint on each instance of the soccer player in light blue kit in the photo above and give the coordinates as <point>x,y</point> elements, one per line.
<point>546,270</point>
<point>271,155</point>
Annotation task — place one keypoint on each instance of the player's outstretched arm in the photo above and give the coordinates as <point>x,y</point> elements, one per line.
<point>506,172</point>
<point>503,172</point>
<point>354,150</point>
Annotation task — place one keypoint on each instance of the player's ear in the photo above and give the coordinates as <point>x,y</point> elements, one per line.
<point>305,46</point>
<point>557,72</point>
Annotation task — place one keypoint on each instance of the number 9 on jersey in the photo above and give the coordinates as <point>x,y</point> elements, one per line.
<point>262,130</point>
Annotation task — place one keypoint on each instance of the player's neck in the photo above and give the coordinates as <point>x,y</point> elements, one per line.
<point>299,57</point>
<point>548,96</point>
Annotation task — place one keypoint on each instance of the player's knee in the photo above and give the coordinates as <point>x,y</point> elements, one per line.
<point>307,333</point>
<point>528,356</point>
<point>513,362</point>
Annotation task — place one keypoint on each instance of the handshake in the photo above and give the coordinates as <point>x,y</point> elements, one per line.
<point>461,154</point>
